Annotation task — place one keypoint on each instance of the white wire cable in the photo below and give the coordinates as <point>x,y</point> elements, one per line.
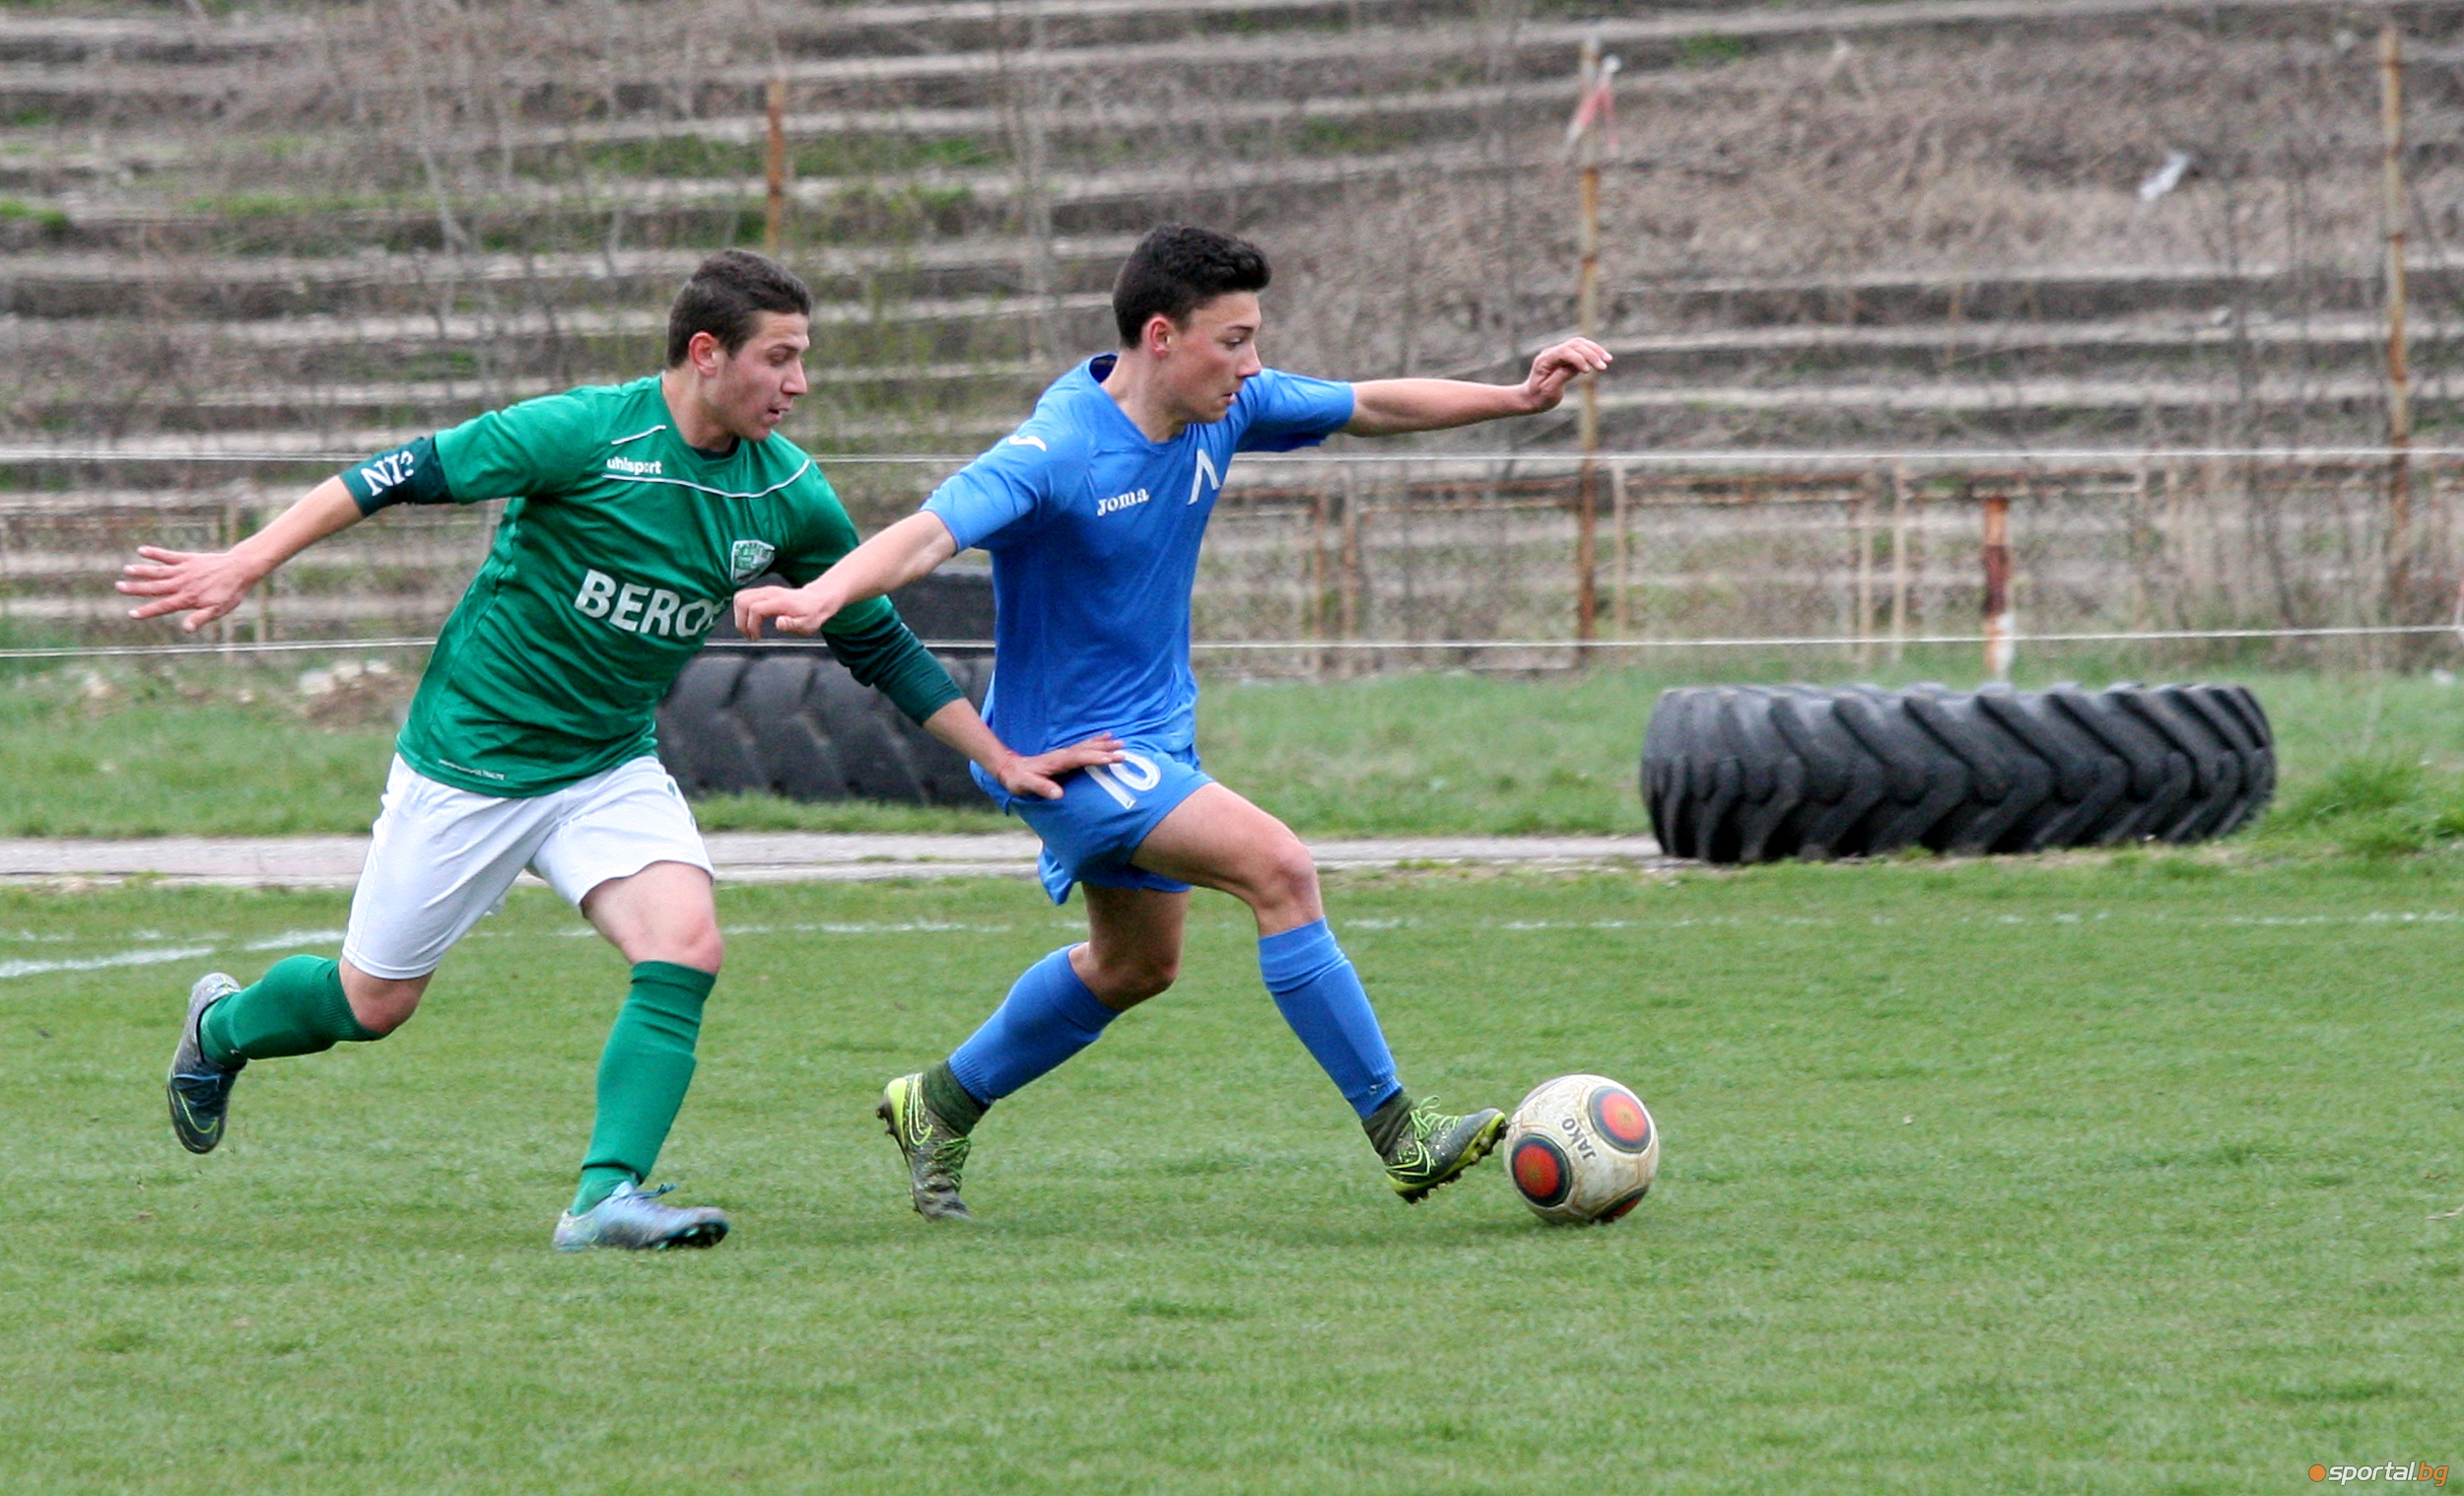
<point>2114,458</point>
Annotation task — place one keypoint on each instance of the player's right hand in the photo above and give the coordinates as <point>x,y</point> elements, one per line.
<point>796,610</point>
<point>1039,773</point>
<point>204,584</point>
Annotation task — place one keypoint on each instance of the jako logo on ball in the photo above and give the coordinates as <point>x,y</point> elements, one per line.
<point>1582,1149</point>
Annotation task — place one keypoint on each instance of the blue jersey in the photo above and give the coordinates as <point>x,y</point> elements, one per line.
<point>1094,531</point>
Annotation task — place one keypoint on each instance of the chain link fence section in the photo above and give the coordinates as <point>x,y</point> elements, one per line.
<point>1355,561</point>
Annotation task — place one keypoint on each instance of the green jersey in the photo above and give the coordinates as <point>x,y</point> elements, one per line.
<point>619,549</point>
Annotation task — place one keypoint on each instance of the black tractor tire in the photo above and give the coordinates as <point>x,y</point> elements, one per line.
<point>1759,773</point>
<point>791,721</point>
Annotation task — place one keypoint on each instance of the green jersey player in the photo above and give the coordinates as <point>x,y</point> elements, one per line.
<point>636,511</point>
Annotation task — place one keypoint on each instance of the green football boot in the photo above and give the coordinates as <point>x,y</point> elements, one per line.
<point>1425,1148</point>
<point>936,1152</point>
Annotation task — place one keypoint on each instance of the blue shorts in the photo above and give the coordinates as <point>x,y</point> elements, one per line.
<point>1103,814</point>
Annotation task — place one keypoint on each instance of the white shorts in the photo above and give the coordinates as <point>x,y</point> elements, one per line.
<point>442,857</point>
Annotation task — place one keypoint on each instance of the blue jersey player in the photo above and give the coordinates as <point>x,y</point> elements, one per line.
<point>1092,511</point>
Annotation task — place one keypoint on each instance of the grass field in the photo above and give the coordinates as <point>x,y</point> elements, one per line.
<point>2110,1173</point>
<point>215,752</point>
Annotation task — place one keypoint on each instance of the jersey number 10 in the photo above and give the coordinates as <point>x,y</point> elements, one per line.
<point>1126,780</point>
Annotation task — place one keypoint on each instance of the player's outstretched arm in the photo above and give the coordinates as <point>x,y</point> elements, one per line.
<point>891,560</point>
<point>1035,773</point>
<point>206,584</point>
<point>1391,407</point>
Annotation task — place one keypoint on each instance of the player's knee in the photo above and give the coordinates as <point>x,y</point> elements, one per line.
<point>702,948</point>
<point>1129,978</point>
<point>1154,976</point>
<point>382,1006</point>
<point>1287,878</point>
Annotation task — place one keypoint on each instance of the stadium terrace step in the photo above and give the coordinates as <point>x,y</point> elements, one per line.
<point>2013,396</point>
<point>554,218</point>
<point>1294,52</point>
<point>973,24</point>
<point>33,36</point>
<point>2042,294</point>
<point>104,283</point>
<point>1439,111</point>
<point>1994,350</point>
<point>464,327</point>
<point>1296,44</point>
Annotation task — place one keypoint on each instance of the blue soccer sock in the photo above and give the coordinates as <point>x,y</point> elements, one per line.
<point>1322,998</point>
<point>1047,1016</point>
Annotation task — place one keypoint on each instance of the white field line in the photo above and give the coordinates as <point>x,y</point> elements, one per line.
<point>293,939</point>
<point>148,956</point>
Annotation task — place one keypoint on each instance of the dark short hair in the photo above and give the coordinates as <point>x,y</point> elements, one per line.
<point>1177,269</point>
<point>725,297</point>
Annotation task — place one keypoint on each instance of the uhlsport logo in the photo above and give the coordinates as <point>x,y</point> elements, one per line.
<point>633,467</point>
<point>746,558</point>
<point>639,609</point>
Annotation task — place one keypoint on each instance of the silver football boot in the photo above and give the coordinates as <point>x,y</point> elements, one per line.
<point>632,1218</point>
<point>198,1088</point>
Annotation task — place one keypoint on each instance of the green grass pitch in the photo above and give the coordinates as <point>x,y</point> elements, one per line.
<point>2112,1173</point>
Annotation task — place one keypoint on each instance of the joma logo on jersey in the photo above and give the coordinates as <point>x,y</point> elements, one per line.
<point>1119,502</point>
<point>633,467</point>
<point>637,609</point>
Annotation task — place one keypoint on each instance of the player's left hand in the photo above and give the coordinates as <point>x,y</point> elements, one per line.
<point>203,584</point>
<point>1039,773</point>
<point>1560,365</point>
<point>796,610</point>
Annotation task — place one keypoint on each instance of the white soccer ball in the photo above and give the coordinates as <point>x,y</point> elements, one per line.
<point>1582,1149</point>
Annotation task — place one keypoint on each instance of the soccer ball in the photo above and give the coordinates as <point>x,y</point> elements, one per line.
<point>1582,1150</point>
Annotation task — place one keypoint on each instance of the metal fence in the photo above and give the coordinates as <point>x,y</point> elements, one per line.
<point>1356,561</point>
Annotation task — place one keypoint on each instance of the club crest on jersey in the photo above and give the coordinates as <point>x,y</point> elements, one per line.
<point>747,559</point>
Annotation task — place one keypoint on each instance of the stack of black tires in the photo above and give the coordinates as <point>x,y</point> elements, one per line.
<point>783,717</point>
<point>1756,774</point>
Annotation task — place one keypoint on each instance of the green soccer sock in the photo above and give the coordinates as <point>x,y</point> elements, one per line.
<point>296,1008</point>
<point>643,1075</point>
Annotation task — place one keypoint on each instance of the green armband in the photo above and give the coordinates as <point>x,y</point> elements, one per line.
<point>408,474</point>
<point>890,658</point>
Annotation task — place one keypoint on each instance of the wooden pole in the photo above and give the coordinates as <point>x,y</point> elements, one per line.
<point>775,166</point>
<point>1034,149</point>
<point>2399,371</point>
<point>1318,569</point>
<point>1861,530</point>
<point>1898,561</point>
<point>1348,570</point>
<point>1587,322</point>
<point>2140,617</point>
<point>1620,613</point>
<point>1998,647</point>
